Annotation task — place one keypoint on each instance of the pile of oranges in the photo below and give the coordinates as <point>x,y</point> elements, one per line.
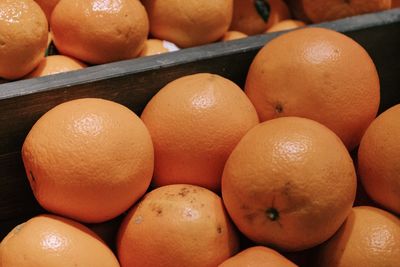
<point>213,175</point>
<point>90,32</point>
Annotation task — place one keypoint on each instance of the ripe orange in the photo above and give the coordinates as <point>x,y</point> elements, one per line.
<point>195,122</point>
<point>258,256</point>
<point>189,23</point>
<point>332,80</point>
<point>23,37</point>
<point>233,35</point>
<point>395,3</point>
<point>327,10</point>
<point>286,24</point>
<point>55,64</point>
<point>254,17</point>
<point>99,31</point>
<point>369,237</point>
<point>379,158</point>
<point>49,240</point>
<point>177,225</point>
<point>88,159</point>
<point>289,183</point>
<point>155,47</point>
<point>47,7</point>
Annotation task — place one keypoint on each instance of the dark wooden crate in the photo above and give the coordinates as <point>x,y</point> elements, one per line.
<point>133,82</point>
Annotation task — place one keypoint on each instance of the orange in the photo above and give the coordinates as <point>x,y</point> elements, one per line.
<point>256,16</point>
<point>289,183</point>
<point>99,31</point>
<point>395,3</point>
<point>369,237</point>
<point>379,157</point>
<point>177,225</point>
<point>258,256</point>
<point>155,47</point>
<point>233,35</point>
<point>286,24</point>
<point>23,37</point>
<point>55,64</point>
<point>89,159</point>
<point>332,80</point>
<point>189,23</point>
<point>195,122</point>
<point>327,10</point>
<point>47,6</point>
<point>48,240</point>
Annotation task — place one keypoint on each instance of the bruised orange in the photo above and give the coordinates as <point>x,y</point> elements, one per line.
<point>177,225</point>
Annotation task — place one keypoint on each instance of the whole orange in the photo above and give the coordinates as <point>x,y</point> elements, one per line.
<point>289,183</point>
<point>55,64</point>
<point>88,159</point>
<point>379,157</point>
<point>256,16</point>
<point>23,37</point>
<point>99,31</point>
<point>189,23</point>
<point>195,122</point>
<point>318,74</point>
<point>258,256</point>
<point>177,225</point>
<point>369,237</point>
<point>48,240</point>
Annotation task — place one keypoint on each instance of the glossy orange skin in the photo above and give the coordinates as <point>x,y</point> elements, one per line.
<point>369,237</point>
<point>56,64</point>
<point>189,23</point>
<point>289,183</point>
<point>23,37</point>
<point>89,159</point>
<point>97,31</point>
<point>195,122</point>
<point>177,225</point>
<point>50,241</point>
<point>258,256</point>
<point>247,20</point>
<point>379,157</point>
<point>318,74</point>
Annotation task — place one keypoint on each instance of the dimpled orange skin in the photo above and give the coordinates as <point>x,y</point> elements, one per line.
<point>332,80</point>
<point>189,23</point>
<point>56,64</point>
<point>177,225</point>
<point>195,122</point>
<point>369,237</point>
<point>289,183</point>
<point>88,159</point>
<point>287,24</point>
<point>98,31</point>
<point>328,10</point>
<point>246,18</point>
<point>23,37</point>
<point>48,240</point>
<point>379,157</point>
<point>258,256</point>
